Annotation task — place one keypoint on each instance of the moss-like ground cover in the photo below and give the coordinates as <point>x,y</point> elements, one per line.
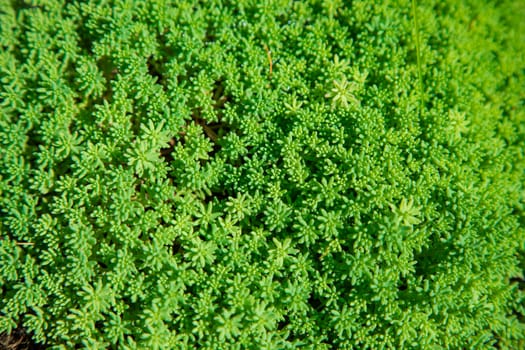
<point>266,174</point>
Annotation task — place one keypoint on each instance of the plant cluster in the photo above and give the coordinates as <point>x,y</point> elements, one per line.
<point>263,174</point>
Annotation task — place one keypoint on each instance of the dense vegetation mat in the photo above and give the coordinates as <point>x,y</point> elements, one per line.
<point>262,174</point>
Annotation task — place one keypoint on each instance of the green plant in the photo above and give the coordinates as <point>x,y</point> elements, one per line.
<point>262,174</point>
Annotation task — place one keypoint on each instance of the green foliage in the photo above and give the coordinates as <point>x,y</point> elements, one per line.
<point>263,174</point>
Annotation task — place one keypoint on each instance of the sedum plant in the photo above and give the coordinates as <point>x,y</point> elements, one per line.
<point>263,174</point>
